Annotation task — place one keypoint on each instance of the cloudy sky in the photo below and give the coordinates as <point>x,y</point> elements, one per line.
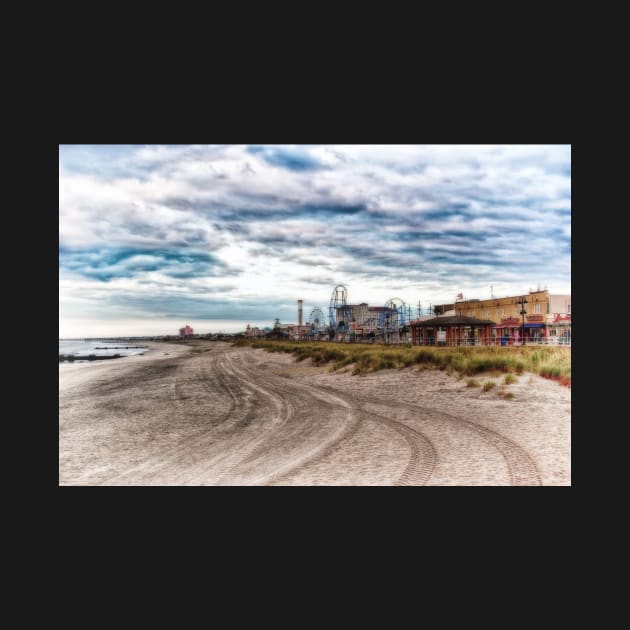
<point>154,237</point>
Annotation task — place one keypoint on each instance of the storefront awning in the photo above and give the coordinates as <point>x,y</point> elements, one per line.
<point>534,325</point>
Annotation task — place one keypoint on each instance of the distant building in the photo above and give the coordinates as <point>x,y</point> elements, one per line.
<point>186,331</point>
<point>547,317</point>
<point>253,332</point>
<point>297,331</point>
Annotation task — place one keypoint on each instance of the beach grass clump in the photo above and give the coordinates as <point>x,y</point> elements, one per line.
<point>471,382</point>
<point>549,362</point>
<point>550,372</point>
<point>359,369</point>
<point>488,385</point>
<point>319,356</point>
<point>506,395</point>
<point>509,379</point>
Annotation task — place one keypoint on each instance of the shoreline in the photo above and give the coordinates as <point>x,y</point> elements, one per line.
<point>93,369</point>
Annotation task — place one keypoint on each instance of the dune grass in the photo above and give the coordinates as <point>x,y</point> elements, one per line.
<point>550,362</point>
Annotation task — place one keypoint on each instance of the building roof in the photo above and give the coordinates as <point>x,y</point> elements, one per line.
<point>454,320</point>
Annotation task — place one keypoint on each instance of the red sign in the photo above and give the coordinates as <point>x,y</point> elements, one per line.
<point>510,321</point>
<point>534,318</point>
<point>562,318</point>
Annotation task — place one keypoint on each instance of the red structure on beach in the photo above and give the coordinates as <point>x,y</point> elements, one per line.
<point>187,331</point>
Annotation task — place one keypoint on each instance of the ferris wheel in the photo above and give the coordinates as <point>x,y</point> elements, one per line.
<point>317,320</point>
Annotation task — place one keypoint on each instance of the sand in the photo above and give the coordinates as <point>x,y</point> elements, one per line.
<point>205,413</point>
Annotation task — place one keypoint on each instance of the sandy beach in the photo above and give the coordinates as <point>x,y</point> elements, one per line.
<point>206,413</point>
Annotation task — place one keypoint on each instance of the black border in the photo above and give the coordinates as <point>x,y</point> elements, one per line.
<point>247,109</point>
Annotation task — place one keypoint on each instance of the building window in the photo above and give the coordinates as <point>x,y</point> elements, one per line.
<point>537,308</point>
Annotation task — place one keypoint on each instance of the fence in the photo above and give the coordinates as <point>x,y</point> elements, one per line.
<point>564,341</point>
<point>498,341</point>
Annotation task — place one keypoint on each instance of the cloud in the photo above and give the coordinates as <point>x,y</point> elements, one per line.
<point>230,229</point>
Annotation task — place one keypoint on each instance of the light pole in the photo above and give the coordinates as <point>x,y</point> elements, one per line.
<point>522,302</point>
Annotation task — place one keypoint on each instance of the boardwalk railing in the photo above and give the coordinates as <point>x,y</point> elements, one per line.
<point>497,341</point>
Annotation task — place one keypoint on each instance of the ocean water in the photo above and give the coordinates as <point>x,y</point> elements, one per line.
<point>82,347</point>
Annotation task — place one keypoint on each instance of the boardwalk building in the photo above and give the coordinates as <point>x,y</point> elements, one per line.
<point>452,330</point>
<point>547,317</point>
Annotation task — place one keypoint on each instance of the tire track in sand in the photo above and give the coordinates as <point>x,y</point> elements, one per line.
<point>423,455</point>
<point>282,411</point>
<point>218,375</point>
<point>233,422</point>
<point>170,455</point>
<point>521,467</point>
<point>286,389</point>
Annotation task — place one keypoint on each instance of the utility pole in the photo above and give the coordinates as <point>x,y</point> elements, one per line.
<point>522,302</point>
